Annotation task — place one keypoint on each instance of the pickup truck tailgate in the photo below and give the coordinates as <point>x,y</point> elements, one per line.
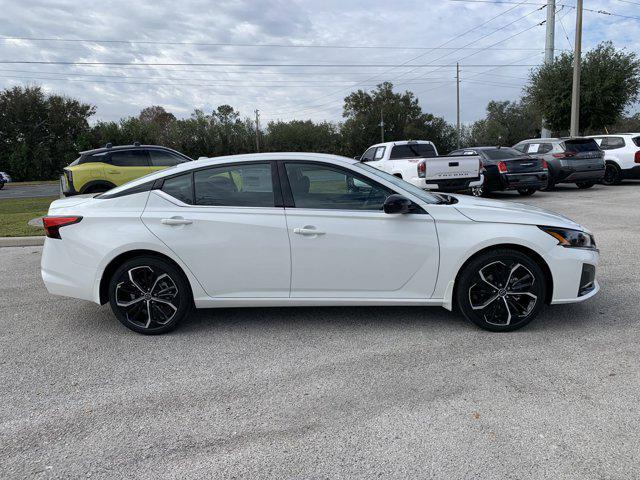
<point>451,167</point>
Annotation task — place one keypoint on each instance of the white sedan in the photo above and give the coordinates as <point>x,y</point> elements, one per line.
<point>301,229</point>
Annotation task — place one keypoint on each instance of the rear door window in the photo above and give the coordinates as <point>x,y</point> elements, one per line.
<point>636,140</point>
<point>412,150</point>
<point>130,158</point>
<point>245,185</point>
<point>379,153</point>
<point>180,187</point>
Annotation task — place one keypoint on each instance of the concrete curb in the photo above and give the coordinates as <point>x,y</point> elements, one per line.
<point>21,241</point>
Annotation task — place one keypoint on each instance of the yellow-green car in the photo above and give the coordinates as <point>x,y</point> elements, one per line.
<point>102,169</point>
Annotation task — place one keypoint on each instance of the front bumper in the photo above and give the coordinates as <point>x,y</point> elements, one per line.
<point>66,187</point>
<point>574,272</point>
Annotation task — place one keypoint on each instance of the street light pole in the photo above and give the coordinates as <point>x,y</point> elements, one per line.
<point>575,91</point>
<point>549,46</point>
<point>458,102</point>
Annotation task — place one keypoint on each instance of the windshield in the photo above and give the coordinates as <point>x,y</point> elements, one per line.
<point>502,153</point>
<point>398,182</point>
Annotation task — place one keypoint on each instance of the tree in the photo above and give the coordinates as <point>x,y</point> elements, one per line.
<point>506,124</point>
<point>40,134</point>
<point>610,81</point>
<point>403,119</point>
<point>301,136</point>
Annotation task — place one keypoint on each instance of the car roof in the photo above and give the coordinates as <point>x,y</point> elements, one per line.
<point>548,139</point>
<point>116,148</point>
<point>250,157</point>
<point>401,142</point>
<point>612,135</point>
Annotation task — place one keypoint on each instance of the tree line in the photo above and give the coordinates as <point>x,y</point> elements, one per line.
<point>40,133</point>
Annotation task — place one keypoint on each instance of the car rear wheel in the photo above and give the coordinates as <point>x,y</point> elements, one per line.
<point>526,192</point>
<point>501,291</point>
<point>585,185</point>
<point>612,174</point>
<point>149,295</point>
<point>478,191</point>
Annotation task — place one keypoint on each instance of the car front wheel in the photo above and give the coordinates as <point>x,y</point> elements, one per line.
<point>526,192</point>
<point>149,295</point>
<point>501,291</point>
<point>612,175</point>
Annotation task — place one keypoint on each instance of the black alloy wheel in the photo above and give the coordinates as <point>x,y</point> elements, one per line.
<point>149,295</point>
<point>527,192</point>
<point>501,291</point>
<point>612,175</point>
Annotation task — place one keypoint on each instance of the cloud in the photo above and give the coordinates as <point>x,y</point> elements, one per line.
<point>291,92</point>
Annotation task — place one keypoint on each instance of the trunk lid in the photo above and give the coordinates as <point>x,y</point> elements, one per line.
<point>524,165</point>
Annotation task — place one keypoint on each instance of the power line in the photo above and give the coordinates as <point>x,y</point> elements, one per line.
<point>204,64</point>
<point>231,44</point>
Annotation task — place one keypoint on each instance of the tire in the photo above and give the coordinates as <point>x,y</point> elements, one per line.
<point>483,299</point>
<point>478,191</point>
<point>1,185</point>
<point>612,175</point>
<point>526,192</point>
<point>585,185</point>
<point>152,287</point>
<point>551,184</point>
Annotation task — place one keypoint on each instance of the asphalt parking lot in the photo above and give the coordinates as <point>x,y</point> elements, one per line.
<point>391,392</point>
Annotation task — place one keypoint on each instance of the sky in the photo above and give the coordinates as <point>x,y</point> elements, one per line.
<point>290,59</point>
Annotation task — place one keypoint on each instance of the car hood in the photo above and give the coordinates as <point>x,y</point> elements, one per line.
<point>494,211</point>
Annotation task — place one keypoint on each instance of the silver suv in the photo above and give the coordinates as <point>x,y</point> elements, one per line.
<point>570,160</point>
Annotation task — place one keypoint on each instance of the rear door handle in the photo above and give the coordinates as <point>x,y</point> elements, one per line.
<point>307,230</point>
<point>175,221</point>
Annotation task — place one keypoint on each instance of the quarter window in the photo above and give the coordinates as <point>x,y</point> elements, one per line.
<point>611,143</point>
<point>130,158</point>
<point>161,158</point>
<point>180,187</point>
<point>325,187</point>
<point>248,185</point>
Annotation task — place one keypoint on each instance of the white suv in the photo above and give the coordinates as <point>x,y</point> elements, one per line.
<point>621,155</point>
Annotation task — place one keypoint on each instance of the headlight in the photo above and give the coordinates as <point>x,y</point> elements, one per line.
<point>571,238</point>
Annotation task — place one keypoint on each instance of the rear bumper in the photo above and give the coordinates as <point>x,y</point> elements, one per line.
<point>62,275</point>
<point>450,185</point>
<point>514,181</point>
<point>631,173</point>
<point>571,175</point>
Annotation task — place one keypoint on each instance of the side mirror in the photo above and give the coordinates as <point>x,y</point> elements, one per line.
<point>397,204</point>
<point>357,157</point>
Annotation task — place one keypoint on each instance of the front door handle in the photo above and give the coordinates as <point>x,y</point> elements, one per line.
<point>175,221</point>
<point>307,230</point>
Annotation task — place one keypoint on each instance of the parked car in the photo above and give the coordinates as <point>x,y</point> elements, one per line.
<point>4,178</point>
<point>417,162</point>
<point>102,169</point>
<point>507,169</point>
<point>569,160</point>
<point>278,229</point>
<point>621,156</point>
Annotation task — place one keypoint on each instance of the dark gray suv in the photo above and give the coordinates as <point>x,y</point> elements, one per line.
<point>570,160</point>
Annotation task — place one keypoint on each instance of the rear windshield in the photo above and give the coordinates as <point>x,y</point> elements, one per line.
<point>502,153</point>
<point>636,140</point>
<point>581,145</point>
<point>412,150</point>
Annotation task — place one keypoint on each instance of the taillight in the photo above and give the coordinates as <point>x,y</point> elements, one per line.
<point>422,169</point>
<point>502,167</point>
<point>637,157</point>
<point>564,155</point>
<point>52,225</point>
<point>544,163</point>
<point>481,166</point>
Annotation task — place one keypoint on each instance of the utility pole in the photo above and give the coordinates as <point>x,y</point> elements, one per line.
<point>458,101</point>
<point>257,130</point>
<point>549,46</point>
<point>381,125</point>
<point>577,56</point>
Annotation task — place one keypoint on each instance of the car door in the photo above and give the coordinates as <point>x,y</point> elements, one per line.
<point>127,165</point>
<point>377,158</point>
<point>227,224</point>
<point>342,243</point>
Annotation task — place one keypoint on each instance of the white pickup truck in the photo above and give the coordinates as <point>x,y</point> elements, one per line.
<point>417,162</point>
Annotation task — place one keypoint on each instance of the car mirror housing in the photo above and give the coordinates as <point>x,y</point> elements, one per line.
<point>397,204</point>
